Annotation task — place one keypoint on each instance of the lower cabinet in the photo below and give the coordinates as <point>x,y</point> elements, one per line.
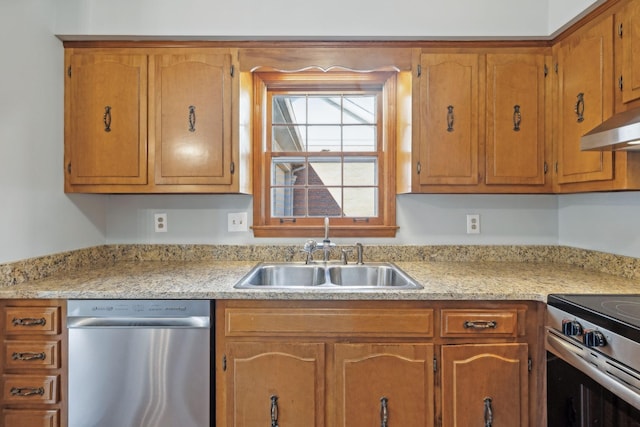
<point>33,373</point>
<point>375,363</point>
<point>485,384</point>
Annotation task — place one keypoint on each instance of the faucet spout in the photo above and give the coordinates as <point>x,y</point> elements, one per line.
<point>326,228</point>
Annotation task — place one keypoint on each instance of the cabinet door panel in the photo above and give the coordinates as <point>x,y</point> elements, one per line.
<point>449,119</point>
<point>106,119</point>
<point>292,372</point>
<point>631,51</point>
<point>368,373</point>
<point>193,121</point>
<point>30,418</point>
<point>585,72</point>
<point>515,119</point>
<point>471,373</point>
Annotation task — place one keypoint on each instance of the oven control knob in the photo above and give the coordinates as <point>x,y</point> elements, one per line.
<point>571,327</point>
<point>594,339</point>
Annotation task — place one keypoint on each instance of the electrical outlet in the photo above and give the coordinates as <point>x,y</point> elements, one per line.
<point>237,222</point>
<point>160,222</point>
<point>473,224</point>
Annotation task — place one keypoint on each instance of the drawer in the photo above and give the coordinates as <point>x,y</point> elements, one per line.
<point>471,322</point>
<point>30,389</point>
<point>30,418</point>
<point>32,320</point>
<point>323,321</point>
<point>31,354</point>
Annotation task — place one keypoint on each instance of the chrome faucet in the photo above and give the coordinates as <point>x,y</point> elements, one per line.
<point>311,246</point>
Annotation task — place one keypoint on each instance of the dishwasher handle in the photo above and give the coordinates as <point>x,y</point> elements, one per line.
<point>197,322</point>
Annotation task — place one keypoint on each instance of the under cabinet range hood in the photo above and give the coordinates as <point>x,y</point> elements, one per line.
<point>620,132</point>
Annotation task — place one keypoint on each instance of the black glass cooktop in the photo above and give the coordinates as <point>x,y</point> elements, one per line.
<point>618,313</point>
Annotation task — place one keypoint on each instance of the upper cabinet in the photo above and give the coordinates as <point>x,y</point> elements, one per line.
<point>481,122</point>
<point>628,33</point>
<point>586,96</point>
<point>151,121</point>
<point>585,99</point>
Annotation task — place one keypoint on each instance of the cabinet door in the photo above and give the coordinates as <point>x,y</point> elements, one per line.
<point>106,119</point>
<point>515,119</point>
<point>449,119</point>
<point>585,73</point>
<point>482,381</point>
<point>192,119</point>
<point>30,418</point>
<point>629,34</point>
<point>275,384</point>
<point>384,384</point>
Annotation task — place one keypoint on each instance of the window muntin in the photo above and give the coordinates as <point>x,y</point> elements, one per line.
<point>324,155</point>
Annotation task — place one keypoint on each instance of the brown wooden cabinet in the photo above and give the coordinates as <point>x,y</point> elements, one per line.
<point>585,99</point>
<point>482,116</point>
<point>326,363</point>
<point>484,382</point>
<point>105,120</point>
<point>628,36</point>
<point>33,363</point>
<point>449,97</point>
<point>377,383</point>
<point>180,140</point>
<point>517,96</point>
<point>359,363</point>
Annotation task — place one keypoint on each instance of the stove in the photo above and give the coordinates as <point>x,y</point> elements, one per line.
<point>598,336</point>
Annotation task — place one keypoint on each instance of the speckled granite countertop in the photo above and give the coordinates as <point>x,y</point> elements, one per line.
<point>214,279</point>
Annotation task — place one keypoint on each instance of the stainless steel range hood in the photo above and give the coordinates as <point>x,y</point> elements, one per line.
<point>620,132</point>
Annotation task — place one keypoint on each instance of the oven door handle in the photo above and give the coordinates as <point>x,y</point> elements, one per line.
<point>574,354</point>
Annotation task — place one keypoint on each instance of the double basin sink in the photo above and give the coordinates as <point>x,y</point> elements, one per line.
<point>355,277</point>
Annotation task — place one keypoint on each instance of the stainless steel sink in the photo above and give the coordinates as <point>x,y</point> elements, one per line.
<point>371,276</point>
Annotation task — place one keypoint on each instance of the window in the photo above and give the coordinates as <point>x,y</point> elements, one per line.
<point>324,144</point>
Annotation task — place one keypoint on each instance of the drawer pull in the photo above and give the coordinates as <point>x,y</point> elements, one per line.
<point>274,411</point>
<point>27,391</point>
<point>488,412</point>
<point>480,324</point>
<point>384,412</point>
<point>28,356</point>
<point>29,321</point>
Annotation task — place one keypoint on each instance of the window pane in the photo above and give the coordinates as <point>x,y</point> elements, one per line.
<point>359,109</point>
<point>360,138</point>
<point>289,109</point>
<point>324,138</point>
<point>361,171</point>
<point>323,110</point>
<point>361,202</point>
<point>288,171</point>
<point>325,201</point>
<point>325,172</point>
<point>288,138</point>
<point>284,201</point>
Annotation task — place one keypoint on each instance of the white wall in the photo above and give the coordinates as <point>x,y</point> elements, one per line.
<point>608,222</point>
<point>423,219</point>
<point>564,12</point>
<point>36,218</point>
<point>296,18</point>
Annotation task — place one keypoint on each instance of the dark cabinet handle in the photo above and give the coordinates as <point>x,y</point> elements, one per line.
<point>29,321</point>
<point>480,324</point>
<point>517,118</point>
<point>28,356</point>
<point>192,118</point>
<point>579,108</point>
<point>274,411</point>
<point>488,412</point>
<point>450,118</point>
<point>106,119</point>
<point>26,391</point>
<point>384,412</point>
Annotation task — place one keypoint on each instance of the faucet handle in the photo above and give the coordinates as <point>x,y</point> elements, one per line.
<point>359,251</point>
<point>309,248</point>
<point>344,255</point>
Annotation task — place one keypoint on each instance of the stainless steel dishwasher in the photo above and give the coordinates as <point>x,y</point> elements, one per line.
<point>139,363</point>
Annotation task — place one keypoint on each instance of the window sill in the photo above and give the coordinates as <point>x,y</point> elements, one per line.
<point>335,231</point>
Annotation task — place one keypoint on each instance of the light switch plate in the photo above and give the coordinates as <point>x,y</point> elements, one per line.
<point>237,222</point>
